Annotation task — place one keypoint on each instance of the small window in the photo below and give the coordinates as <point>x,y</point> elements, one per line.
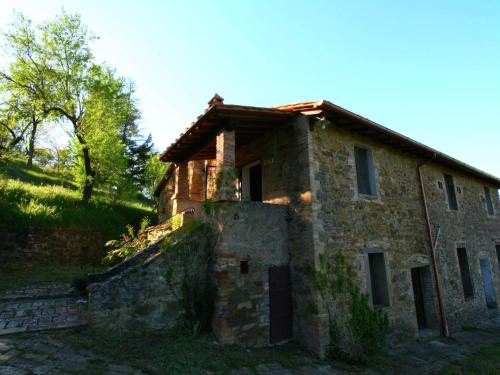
<point>463,263</point>
<point>450,190</point>
<point>489,202</point>
<point>498,254</point>
<point>244,266</point>
<point>365,174</point>
<point>378,278</point>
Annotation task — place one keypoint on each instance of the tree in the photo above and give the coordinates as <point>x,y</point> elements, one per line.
<point>54,70</point>
<point>154,172</point>
<point>24,86</point>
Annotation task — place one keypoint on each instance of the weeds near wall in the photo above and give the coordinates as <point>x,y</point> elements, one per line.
<point>132,242</point>
<point>188,276</point>
<point>225,182</point>
<point>366,328</point>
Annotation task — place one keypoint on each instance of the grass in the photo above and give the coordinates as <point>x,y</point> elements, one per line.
<point>165,354</point>
<point>42,198</point>
<point>484,361</point>
<point>16,276</point>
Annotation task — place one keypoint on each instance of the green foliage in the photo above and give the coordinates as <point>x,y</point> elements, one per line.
<point>153,173</point>
<point>210,207</point>
<point>53,76</point>
<point>42,198</point>
<point>225,182</point>
<point>190,274</point>
<point>128,245</point>
<point>367,327</point>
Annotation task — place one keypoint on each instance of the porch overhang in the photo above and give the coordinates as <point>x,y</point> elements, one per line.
<point>249,123</point>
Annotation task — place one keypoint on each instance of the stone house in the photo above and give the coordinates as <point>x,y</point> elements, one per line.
<point>303,181</point>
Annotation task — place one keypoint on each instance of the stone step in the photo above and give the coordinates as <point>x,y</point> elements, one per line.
<point>42,307</point>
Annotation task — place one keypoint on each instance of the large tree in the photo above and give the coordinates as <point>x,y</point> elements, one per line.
<point>54,68</point>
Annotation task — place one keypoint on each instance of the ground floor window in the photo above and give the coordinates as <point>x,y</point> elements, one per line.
<point>463,264</point>
<point>378,279</point>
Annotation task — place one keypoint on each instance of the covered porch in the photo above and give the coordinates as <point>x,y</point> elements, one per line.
<point>224,156</point>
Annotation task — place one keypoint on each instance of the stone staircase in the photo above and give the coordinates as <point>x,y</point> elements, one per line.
<point>42,307</point>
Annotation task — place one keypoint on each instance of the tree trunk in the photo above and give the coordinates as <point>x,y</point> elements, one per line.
<point>31,144</point>
<point>89,176</point>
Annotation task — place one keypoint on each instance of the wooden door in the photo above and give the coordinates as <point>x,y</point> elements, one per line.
<point>489,289</point>
<point>418,295</point>
<point>280,304</point>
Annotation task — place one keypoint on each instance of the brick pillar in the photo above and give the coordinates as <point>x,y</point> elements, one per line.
<point>181,181</point>
<point>226,168</point>
<point>197,171</point>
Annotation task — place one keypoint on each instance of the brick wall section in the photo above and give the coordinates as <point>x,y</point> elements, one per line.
<point>197,180</point>
<point>255,233</point>
<point>182,181</point>
<point>394,221</point>
<point>225,158</point>
<point>74,246</point>
<point>165,202</point>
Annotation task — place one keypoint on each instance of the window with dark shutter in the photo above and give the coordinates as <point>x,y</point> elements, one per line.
<point>463,263</point>
<point>365,174</point>
<point>450,191</point>
<point>489,202</point>
<point>498,255</point>
<point>378,279</point>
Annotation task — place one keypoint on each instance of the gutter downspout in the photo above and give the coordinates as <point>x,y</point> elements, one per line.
<point>443,326</point>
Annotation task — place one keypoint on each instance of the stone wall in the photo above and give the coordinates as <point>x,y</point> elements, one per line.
<point>255,233</point>
<point>393,221</point>
<point>285,155</point>
<point>165,202</point>
<point>74,246</point>
<point>144,293</point>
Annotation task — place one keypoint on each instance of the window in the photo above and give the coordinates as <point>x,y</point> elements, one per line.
<point>498,255</point>
<point>489,202</point>
<point>244,266</point>
<point>378,279</point>
<point>463,263</point>
<point>450,190</point>
<point>364,171</point>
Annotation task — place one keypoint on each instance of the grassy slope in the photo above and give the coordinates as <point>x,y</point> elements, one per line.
<point>41,198</point>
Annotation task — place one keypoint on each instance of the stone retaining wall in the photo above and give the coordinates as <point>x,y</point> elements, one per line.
<point>73,246</point>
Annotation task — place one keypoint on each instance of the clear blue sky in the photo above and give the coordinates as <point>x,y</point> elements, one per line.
<point>427,69</point>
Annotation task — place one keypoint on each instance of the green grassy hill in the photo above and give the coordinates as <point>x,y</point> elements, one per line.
<point>42,198</point>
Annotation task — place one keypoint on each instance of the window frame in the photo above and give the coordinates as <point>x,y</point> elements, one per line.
<point>488,202</point>
<point>463,276</point>
<point>386,298</point>
<point>370,172</point>
<point>452,198</point>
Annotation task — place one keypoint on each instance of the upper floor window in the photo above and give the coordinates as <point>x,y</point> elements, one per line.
<point>488,201</point>
<point>450,192</point>
<point>365,173</point>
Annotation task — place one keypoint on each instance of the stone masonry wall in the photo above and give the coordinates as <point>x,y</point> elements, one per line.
<point>74,246</point>
<point>285,155</point>
<point>255,233</point>
<point>144,293</point>
<point>393,222</point>
<point>470,227</point>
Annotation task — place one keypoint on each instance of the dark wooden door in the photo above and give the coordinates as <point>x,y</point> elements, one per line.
<point>255,173</point>
<point>418,295</point>
<point>280,304</point>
